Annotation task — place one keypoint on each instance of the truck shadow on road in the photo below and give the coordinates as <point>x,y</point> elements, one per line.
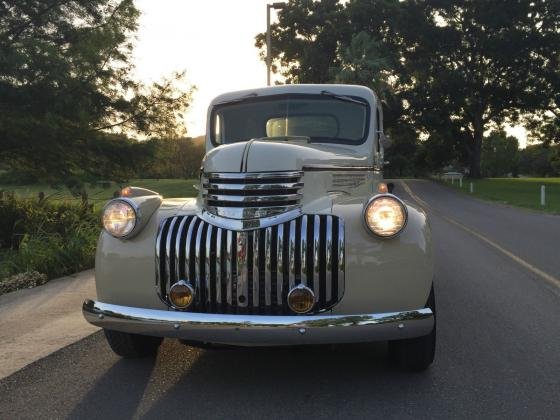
<point>241,382</point>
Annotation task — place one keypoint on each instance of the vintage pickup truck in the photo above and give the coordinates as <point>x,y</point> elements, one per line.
<point>294,237</point>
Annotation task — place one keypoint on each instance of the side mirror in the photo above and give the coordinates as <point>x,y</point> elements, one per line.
<point>385,141</point>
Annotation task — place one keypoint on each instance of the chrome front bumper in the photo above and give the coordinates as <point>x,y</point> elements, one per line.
<point>259,330</point>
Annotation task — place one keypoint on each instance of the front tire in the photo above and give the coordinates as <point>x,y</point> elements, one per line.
<point>132,345</point>
<point>416,354</point>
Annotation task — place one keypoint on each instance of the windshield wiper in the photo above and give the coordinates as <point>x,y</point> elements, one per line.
<point>343,98</point>
<point>243,98</point>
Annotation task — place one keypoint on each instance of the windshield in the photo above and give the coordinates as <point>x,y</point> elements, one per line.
<point>321,118</point>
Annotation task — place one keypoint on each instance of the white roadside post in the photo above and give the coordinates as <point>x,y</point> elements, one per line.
<point>471,188</point>
<point>461,182</point>
<point>543,195</point>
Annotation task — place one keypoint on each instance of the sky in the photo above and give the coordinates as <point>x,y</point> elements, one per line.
<point>214,42</point>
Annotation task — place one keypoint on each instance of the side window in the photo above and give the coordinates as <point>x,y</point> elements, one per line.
<point>218,129</point>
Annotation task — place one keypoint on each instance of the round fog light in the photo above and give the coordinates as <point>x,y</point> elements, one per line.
<point>301,299</point>
<point>181,294</point>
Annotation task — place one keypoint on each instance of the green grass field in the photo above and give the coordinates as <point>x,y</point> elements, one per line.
<point>169,188</point>
<point>522,192</point>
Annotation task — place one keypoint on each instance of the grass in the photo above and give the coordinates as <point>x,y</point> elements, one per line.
<point>169,188</point>
<point>521,192</point>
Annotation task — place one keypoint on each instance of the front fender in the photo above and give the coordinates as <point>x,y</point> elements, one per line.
<point>385,275</point>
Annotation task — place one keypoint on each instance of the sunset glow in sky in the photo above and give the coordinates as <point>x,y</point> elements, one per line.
<point>213,40</point>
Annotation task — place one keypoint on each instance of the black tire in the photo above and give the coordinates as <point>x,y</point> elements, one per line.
<point>416,354</point>
<point>132,345</point>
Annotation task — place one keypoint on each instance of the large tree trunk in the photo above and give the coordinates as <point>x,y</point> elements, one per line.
<point>476,149</point>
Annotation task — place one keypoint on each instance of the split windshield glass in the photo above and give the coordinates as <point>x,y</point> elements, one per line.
<point>324,118</point>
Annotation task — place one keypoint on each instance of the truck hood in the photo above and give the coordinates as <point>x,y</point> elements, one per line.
<point>279,155</point>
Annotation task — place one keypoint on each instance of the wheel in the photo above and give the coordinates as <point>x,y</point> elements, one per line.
<point>416,354</point>
<point>132,345</point>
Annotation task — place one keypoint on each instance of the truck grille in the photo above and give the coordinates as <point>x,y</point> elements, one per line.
<point>251,272</point>
<point>251,195</point>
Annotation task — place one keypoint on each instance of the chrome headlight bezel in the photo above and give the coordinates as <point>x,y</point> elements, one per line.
<point>135,210</point>
<point>386,196</point>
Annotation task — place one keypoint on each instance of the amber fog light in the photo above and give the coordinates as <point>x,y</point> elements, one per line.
<point>181,294</point>
<point>301,299</point>
<point>385,215</point>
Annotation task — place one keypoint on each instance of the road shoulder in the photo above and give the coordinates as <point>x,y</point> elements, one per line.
<point>36,322</point>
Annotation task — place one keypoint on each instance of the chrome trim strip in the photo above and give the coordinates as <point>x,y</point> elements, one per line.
<point>252,198</point>
<point>259,329</point>
<point>256,274</point>
<point>303,250</point>
<point>178,248</point>
<point>252,175</point>
<point>242,225</point>
<point>229,266</point>
<point>188,247</point>
<point>328,260</point>
<point>249,214</point>
<point>208,262</point>
<point>317,168</point>
<point>267,266</point>
<point>197,264</point>
<point>253,187</point>
<point>292,255</point>
<point>341,256</point>
<point>242,294</point>
<point>280,264</point>
<point>316,249</point>
<point>158,257</point>
<point>219,266</point>
<point>168,252</point>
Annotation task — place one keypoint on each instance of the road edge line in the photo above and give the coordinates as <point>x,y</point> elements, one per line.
<point>535,270</point>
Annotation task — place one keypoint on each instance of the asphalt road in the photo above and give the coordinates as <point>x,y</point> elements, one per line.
<point>498,351</point>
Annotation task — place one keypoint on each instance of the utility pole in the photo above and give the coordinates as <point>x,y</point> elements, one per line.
<point>275,6</point>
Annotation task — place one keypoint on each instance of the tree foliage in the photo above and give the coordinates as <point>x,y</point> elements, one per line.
<point>65,82</point>
<point>452,69</point>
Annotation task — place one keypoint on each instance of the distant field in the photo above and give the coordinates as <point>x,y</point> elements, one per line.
<point>170,188</point>
<point>522,192</point>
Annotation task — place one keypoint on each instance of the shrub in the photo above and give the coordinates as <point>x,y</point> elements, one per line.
<point>52,239</point>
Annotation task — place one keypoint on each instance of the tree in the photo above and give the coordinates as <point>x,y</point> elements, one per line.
<point>470,62</point>
<point>453,69</point>
<point>65,81</point>
<point>500,155</point>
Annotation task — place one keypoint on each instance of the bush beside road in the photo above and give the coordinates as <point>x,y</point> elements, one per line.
<point>520,192</point>
<point>56,236</point>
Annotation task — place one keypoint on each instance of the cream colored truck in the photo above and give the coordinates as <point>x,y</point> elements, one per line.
<point>293,238</point>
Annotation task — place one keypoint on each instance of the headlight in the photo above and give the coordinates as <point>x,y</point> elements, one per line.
<point>385,215</point>
<point>119,218</point>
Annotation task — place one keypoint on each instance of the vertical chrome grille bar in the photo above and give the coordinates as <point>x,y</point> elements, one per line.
<point>341,256</point>
<point>219,266</point>
<point>199,298</point>
<point>292,255</point>
<point>328,260</point>
<point>168,271</point>
<point>316,248</point>
<point>303,250</point>
<point>280,266</point>
<point>161,280</point>
<point>189,271</point>
<point>208,262</point>
<point>242,269</point>
<point>178,250</point>
<point>256,274</point>
<point>267,267</point>
<point>229,252</point>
